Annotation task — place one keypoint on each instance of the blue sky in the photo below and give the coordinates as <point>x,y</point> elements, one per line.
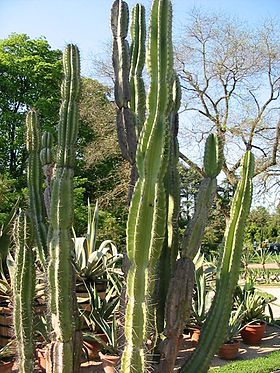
<point>86,22</point>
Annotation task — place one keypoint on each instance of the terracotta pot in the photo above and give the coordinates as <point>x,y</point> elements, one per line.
<point>41,357</point>
<point>6,366</point>
<point>109,362</point>
<point>6,322</point>
<point>229,350</point>
<point>92,348</point>
<point>252,334</point>
<point>195,334</point>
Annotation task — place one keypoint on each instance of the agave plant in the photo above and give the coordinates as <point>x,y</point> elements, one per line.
<point>92,263</point>
<point>235,323</point>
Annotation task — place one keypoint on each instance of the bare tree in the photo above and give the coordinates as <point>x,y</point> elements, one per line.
<point>230,75</point>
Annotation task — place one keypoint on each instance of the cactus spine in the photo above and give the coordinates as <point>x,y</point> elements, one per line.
<point>33,143</point>
<point>24,291</point>
<point>146,221</point>
<point>214,328</point>
<point>61,357</point>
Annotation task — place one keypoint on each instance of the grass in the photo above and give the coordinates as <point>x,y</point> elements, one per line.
<point>266,364</point>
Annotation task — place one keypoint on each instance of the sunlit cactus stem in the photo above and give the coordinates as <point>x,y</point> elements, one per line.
<point>63,354</point>
<point>214,328</point>
<point>179,296</point>
<point>34,180</point>
<point>147,215</point>
<point>24,292</point>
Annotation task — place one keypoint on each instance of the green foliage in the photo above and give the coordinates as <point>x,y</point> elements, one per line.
<point>263,226</point>
<point>30,77</point>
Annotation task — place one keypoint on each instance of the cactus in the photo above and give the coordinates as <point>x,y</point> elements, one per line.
<point>179,296</point>
<point>33,143</point>
<point>146,221</point>
<point>214,328</point>
<point>129,86</point>
<point>61,354</point>
<point>23,292</point>
<point>137,53</point>
<point>46,158</point>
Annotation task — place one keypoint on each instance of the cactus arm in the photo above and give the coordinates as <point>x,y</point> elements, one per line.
<point>213,160</point>
<point>214,328</point>
<point>61,357</point>
<point>121,64</point>
<point>166,264</point>
<point>47,165</point>
<point>178,302</point>
<point>24,292</point>
<point>146,222</point>
<point>33,142</point>
<point>137,52</point>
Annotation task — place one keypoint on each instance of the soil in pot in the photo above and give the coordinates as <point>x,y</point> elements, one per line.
<point>229,350</point>
<point>252,334</point>
<point>109,362</point>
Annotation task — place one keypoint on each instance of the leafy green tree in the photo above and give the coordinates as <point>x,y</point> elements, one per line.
<point>102,172</point>
<point>30,76</point>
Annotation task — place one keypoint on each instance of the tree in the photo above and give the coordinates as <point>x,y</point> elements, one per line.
<point>30,76</point>
<point>230,76</point>
<point>100,164</point>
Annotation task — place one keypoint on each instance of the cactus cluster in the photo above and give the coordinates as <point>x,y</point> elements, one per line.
<point>147,131</point>
<point>53,241</point>
<point>152,229</point>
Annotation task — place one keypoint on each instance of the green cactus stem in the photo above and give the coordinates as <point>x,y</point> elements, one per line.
<point>62,353</point>
<point>214,328</point>
<point>146,222</point>
<point>34,181</point>
<point>169,253</point>
<point>137,53</point>
<point>24,292</point>
<point>46,158</point>
<point>178,300</point>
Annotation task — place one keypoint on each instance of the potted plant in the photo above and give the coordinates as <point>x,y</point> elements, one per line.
<point>230,347</point>
<point>254,320</point>
<point>201,300</point>
<point>7,354</point>
<point>94,266</point>
<point>108,355</point>
<point>101,322</point>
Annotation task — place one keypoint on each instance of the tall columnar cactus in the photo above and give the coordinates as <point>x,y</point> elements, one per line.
<point>34,181</point>
<point>46,158</point>
<point>146,222</point>
<point>61,357</point>
<point>128,63</point>
<point>179,296</point>
<point>24,292</point>
<point>137,61</point>
<point>169,253</point>
<point>214,328</point>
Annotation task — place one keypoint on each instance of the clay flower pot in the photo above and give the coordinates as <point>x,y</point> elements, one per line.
<point>252,334</point>
<point>195,334</point>
<point>229,350</point>
<point>6,366</point>
<point>109,362</point>
<point>41,358</point>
